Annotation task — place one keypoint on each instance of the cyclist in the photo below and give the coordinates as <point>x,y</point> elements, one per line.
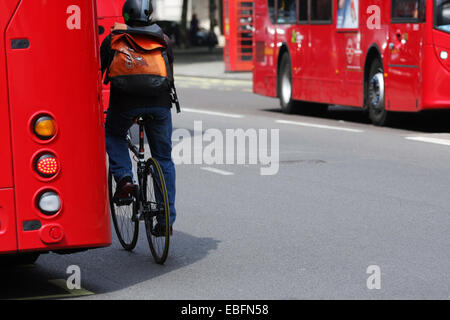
<point>125,108</point>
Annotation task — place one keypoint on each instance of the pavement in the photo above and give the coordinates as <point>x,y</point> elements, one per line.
<point>200,62</point>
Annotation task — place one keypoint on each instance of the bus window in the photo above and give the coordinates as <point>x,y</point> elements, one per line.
<point>303,11</point>
<point>408,10</point>
<point>442,14</point>
<point>271,8</point>
<point>287,11</point>
<point>322,11</point>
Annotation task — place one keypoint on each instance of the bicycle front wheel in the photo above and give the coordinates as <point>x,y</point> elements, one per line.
<point>157,212</point>
<point>124,217</point>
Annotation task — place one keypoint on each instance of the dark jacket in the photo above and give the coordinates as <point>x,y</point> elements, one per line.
<point>127,101</point>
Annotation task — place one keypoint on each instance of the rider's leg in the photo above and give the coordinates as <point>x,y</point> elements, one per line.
<point>159,134</point>
<point>116,127</point>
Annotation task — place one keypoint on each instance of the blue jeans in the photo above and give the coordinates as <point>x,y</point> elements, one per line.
<point>159,136</point>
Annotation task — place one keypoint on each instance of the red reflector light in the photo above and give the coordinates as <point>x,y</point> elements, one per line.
<point>47,166</point>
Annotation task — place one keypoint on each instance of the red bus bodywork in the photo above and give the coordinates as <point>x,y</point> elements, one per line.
<point>330,64</point>
<point>49,61</point>
<point>109,12</point>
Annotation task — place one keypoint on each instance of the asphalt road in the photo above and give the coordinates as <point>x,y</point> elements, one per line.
<point>346,196</point>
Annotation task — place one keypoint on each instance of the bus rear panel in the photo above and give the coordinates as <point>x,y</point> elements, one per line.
<point>53,190</point>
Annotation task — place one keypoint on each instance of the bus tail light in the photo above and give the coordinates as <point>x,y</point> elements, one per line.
<point>49,203</point>
<point>44,127</point>
<point>47,165</point>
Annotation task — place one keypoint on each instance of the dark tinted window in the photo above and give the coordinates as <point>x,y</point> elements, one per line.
<point>408,10</point>
<point>287,11</point>
<point>271,8</point>
<point>321,10</point>
<point>442,13</point>
<point>303,11</point>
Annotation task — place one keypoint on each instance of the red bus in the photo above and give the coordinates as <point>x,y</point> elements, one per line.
<point>108,13</point>
<point>53,184</point>
<point>380,56</point>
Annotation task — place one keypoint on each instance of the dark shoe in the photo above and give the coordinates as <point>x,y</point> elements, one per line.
<point>159,230</point>
<point>125,189</point>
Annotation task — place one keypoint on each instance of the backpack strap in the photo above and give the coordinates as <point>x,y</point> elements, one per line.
<point>173,90</point>
<point>169,69</point>
<point>110,59</point>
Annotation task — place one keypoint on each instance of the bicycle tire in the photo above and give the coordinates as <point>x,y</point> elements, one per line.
<point>126,229</point>
<point>159,245</point>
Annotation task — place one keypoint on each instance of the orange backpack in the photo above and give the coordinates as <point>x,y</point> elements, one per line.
<point>140,65</point>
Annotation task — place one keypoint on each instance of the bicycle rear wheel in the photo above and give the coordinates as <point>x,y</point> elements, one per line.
<point>123,216</point>
<point>157,212</point>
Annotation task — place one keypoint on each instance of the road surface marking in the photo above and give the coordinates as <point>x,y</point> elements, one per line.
<point>444,142</point>
<point>214,113</point>
<point>61,283</point>
<point>212,80</point>
<point>319,126</point>
<point>218,171</point>
<point>208,83</point>
<point>72,292</point>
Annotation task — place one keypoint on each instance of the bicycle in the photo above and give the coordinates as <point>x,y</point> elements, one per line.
<point>149,202</point>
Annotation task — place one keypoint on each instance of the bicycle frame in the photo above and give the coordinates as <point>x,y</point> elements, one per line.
<point>140,156</point>
<point>141,167</point>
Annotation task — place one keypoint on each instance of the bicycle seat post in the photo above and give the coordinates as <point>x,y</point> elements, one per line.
<point>141,122</point>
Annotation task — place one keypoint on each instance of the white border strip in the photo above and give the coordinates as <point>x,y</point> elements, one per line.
<point>213,113</point>
<point>319,126</point>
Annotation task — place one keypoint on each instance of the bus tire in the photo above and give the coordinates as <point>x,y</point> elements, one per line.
<point>376,95</point>
<point>288,105</point>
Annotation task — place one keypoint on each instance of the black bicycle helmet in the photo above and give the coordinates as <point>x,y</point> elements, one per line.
<point>137,12</point>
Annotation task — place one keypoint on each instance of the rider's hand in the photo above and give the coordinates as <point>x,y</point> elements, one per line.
<point>119,26</point>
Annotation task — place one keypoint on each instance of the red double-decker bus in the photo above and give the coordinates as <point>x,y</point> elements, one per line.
<point>53,189</point>
<point>377,55</point>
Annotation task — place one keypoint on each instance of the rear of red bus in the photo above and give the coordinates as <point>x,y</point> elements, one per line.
<point>108,12</point>
<point>416,57</point>
<point>53,190</point>
<point>436,64</point>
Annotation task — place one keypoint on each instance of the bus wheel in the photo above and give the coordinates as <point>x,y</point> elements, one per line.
<point>285,85</point>
<point>375,95</point>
